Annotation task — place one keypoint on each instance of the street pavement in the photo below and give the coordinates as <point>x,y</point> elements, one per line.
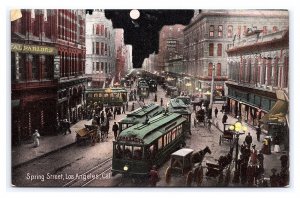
<point>200,138</point>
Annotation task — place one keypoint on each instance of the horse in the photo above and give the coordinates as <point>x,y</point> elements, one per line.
<point>198,156</point>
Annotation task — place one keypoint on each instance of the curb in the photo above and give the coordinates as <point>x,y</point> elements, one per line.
<point>41,156</point>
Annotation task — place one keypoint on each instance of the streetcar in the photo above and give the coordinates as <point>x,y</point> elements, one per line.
<point>140,115</point>
<point>109,96</point>
<point>178,106</point>
<point>152,85</point>
<point>143,145</point>
<point>143,89</point>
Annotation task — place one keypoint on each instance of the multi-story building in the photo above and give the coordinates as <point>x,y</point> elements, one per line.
<point>100,48</point>
<point>70,43</point>
<point>153,63</point>
<point>210,32</point>
<point>170,45</point>
<point>257,83</point>
<point>128,58</point>
<point>120,54</point>
<point>47,64</point>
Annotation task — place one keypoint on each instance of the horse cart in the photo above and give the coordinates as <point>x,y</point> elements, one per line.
<point>88,134</point>
<point>187,163</point>
<point>200,118</point>
<point>227,135</point>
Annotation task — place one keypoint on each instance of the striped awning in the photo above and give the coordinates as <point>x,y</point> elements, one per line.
<point>277,114</point>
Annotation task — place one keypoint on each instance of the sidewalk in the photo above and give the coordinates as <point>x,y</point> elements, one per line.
<point>270,161</point>
<point>25,153</point>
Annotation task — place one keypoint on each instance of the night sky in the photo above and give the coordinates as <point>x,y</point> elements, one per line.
<point>143,33</point>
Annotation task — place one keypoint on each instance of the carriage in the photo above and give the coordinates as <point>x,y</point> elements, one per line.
<point>187,163</point>
<point>200,118</point>
<point>88,134</point>
<point>227,135</point>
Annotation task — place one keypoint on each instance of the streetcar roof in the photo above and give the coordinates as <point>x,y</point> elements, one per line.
<point>156,127</point>
<point>178,106</point>
<point>139,115</point>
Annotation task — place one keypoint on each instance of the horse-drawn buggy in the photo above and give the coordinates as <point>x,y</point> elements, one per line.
<point>216,170</point>
<point>200,118</point>
<point>185,162</point>
<point>227,134</point>
<point>88,134</point>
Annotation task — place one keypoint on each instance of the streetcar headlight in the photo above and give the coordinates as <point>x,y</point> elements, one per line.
<point>125,168</point>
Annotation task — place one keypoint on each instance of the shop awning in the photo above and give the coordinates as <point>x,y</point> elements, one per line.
<point>277,114</point>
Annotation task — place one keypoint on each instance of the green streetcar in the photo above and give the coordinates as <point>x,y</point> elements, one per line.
<point>140,115</point>
<point>178,106</point>
<point>109,96</point>
<point>143,145</point>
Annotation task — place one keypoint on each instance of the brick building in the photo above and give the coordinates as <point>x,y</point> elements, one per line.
<point>120,54</point>
<point>47,64</point>
<point>257,82</point>
<point>170,45</point>
<point>210,32</point>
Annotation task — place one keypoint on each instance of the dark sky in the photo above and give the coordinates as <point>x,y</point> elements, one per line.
<point>143,33</point>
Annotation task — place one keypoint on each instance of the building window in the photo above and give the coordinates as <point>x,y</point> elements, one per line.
<point>97,48</point>
<point>102,49</point>
<point>219,51</point>
<point>97,29</point>
<point>219,69</point>
<point>220,30</point>
<point>105,49</point>
<point>105,32</point>
<point>269,71</point>
<point>211,49</point>
<point>275,72</point>
<point>97,66</point>
<point>258,72</point>
<point>48,72</point>
<point>263,72</point>
<point>35,67</point>
<point>210,69</point>
<point>102,30</point>
<point>211,31</point>
<point>229,31</point>
<point>248,76</point>
<point>102,66</point>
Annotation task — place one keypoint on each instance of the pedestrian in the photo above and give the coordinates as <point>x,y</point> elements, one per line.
<point>115,112</point>
<point>132,107</point>
<point>153,176</point>
<point>248,140</point>
<point>216,112</point>
<point>258,132</point>
<point>36,137</point>
<point>209,124</point>
<point>115,129</point>
<point>260,157</point>
<point>123,108</point>
<point>224,119</point>
<point>161,101</point>
<point>253,156</point>
<point>102,116</point>
<point>155,98</point>
<point>276,142</point>
<point>67,126</point>
<point>127,106</point>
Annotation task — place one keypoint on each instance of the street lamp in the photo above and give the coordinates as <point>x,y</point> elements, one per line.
<point>238,130</point>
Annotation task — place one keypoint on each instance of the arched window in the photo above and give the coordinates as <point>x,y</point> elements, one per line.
<point>219,51</point>
<point>211,31</point>
<point>229,31</point>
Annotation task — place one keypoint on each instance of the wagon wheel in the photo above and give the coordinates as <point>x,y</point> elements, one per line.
<point>189,179</point>
<point>168,175</point>
<point>199,176</point>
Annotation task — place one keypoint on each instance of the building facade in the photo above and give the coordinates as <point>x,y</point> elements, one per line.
<point>210,32</point>
<point>170,45</point>
<point>128,59</point>
<point>47,64</point>
<point>100,48</point>
<point>258,69</point>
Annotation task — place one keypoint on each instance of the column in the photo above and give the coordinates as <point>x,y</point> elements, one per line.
<point>29,67</point>
<point>42,68</point>
<point>17,68</point>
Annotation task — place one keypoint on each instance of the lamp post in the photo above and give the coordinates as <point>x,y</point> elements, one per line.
<point>212,86</point>
<point>238,130</point>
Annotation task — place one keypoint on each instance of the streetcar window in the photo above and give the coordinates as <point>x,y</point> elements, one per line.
<point>137,152</point>
<point>119,151</point>
<point>166,140</point>
<point>174,133</point>
<point>128,152</point>
<point>179,129</point>
<point>160,143</point>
